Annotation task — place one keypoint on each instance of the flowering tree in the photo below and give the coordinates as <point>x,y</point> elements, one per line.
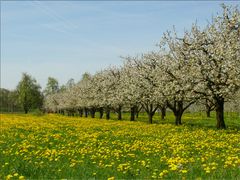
<point>215,52</point>
<point>130,91</point>
<point>83,94</point>
<point>68,100</point>
<point>142,79</point>
<point>115,87</point>
<point>175,81</point>
<point>107,91</point>
<point>55,102</point>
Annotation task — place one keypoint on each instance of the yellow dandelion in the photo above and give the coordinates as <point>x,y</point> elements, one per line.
<point>21,178</point>
<point>111,178</point>
<point>72,165</point>
<point>9,176</point>
<point>184,171</point>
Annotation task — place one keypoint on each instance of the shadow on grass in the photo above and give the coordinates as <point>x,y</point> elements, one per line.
<point>198,119</point>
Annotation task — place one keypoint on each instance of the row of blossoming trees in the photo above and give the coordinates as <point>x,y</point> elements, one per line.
<point>201,65</point>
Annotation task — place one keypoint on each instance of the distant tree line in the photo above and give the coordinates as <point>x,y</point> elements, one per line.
<point>28,94</point>
<point>9,102</point>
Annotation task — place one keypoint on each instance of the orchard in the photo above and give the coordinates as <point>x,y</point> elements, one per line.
<point>199,67</point>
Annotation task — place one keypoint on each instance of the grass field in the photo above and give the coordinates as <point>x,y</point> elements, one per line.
<point>60,147</point>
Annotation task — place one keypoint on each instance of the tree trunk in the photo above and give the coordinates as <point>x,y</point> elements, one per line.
<point>208,108</point>
<point>163,113</point>
<point>137,110</point>
<point>150,111</point>
<point>178,118</point>
<point>86,112</point>
<point>101,112</point>
<point>108,113</point>
<point>208,112</point>
<point>132,111</point>
<point>137,113</point>
<point>71,112</point>
<point>25,109</point>
<point>80,112</point>
<point>220,113</point>
<point>150,118</point>
<point>178,112</point>
<point>93,112</point>
<point>119,113</point>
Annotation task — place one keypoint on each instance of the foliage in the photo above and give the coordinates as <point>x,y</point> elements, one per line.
<point>9,101</point>
<point>52,86</point>
<point>29,93</point>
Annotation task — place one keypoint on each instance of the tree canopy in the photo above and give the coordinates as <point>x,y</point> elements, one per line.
<point>29,93</point>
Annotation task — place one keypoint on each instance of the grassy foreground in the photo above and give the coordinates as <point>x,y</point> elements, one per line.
<point>60,147</point>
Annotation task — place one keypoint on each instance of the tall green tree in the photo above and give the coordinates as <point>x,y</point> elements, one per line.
<point>29,93</point>
<point>52,86</point>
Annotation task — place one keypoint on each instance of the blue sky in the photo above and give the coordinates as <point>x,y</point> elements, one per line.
<point>64,39</point>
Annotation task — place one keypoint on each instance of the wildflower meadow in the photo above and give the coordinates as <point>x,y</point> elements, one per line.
<point>60,147</point>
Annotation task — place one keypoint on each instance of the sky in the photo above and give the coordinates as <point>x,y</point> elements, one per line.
<point>64,39</point>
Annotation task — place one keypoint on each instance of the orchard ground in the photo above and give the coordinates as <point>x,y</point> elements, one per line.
<point>60,147</point>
